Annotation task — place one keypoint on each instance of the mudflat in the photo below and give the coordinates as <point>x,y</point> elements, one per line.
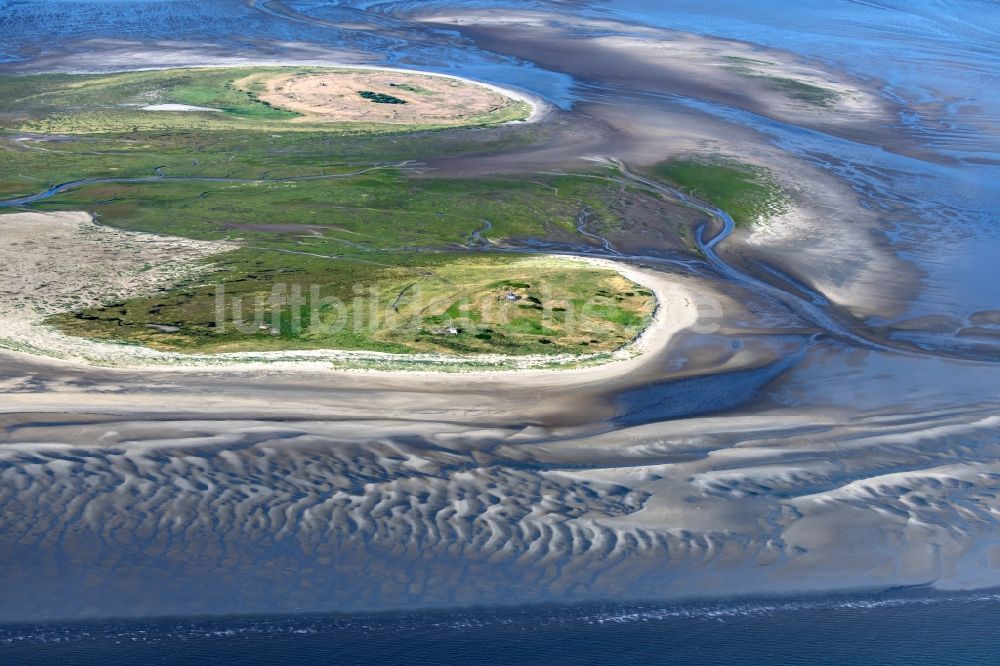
<point>816,407</point>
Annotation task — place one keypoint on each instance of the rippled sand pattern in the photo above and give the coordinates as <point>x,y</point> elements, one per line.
<point>282,514</point>
<point>836,429</point>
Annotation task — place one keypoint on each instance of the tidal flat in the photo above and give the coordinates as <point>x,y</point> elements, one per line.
<point>813,408</point>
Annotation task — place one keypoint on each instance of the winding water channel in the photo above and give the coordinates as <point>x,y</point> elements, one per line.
<point>719,228</point>
<point>839,430</point>
<point>159,177</point>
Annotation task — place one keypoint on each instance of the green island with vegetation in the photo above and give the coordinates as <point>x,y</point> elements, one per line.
<point>337,242</point>
<point>801,91</point>
<point>220,98</point>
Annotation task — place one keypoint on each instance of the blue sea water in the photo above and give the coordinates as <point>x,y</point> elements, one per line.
<point>919,50</point>
<point>914,627</point>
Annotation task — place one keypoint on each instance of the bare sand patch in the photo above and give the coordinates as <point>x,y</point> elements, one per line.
<point>177,107</point>
<point>411,98</point>
<point>61,262</point>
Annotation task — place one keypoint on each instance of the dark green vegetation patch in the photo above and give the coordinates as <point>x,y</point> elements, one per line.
<point>119,102</point>
<point>793,88</point>
<point>747,192</point>
<point>409,87</point>
<point>380,98</point>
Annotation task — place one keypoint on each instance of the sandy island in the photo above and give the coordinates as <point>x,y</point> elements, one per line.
<point>60,262</point>
<point>331,96</point>
<point>289,491</point>
<point>409,98</point>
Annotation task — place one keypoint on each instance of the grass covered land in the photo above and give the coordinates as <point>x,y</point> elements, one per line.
<point>30,163</point>
<point>102,103</point>
<point>379,261</point>
<point>340,243</point>
<point>466,304</point>
<point>747,192</point>
<point>793,88</point>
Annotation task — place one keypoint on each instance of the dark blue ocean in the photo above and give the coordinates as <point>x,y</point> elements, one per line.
<point>905,627</point>
<point>917,51</point>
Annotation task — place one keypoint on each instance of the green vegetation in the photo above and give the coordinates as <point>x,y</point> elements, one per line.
<point>802,91</point>
<point>373,214</point>
<point>794,88</point>
<point>337,248</point>
<point>747,61</point>
<point>374,237</point>
<point>114,103</point>
<point>449,303</point>
<point>380,98</point>
<point>32,163</point>
<point>409,87</point>
<point>747,192</point>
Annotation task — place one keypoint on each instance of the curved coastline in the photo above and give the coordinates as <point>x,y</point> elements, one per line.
<point>673,312</point>
<point>98,354</point>
<point>823,437</point>
<point>539,107</point>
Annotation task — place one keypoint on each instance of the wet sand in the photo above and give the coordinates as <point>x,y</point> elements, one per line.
<point>618,55</point>
<point>757,456</point>
<point>179,493</point>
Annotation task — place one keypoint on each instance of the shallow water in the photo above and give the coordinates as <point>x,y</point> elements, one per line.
<point>851,465</point>
<point>895,628</point>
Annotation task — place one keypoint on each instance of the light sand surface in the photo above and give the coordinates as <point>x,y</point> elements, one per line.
<point>206,492</point>
<point>334,97</point>
<point>60,262</point>
<point>177,107</point>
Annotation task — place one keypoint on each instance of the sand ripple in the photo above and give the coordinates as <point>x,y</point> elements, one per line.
<point>105,514</point>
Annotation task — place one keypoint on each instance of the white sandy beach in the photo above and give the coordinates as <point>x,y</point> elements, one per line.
<point>57,262</point>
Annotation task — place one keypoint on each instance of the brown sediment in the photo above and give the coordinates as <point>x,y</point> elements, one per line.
<point>336,97</point>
